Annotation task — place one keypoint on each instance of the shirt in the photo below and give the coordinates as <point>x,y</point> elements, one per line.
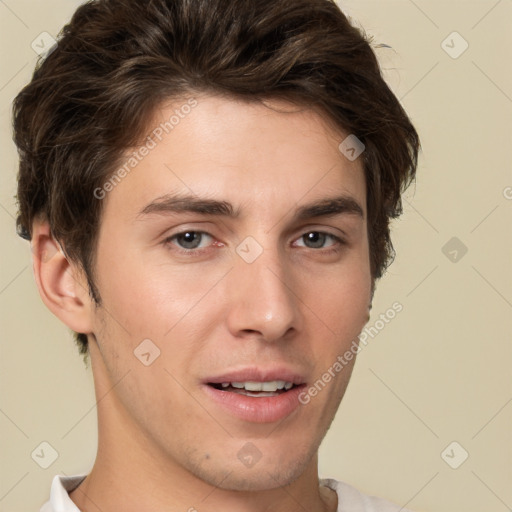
<point>349,498</point>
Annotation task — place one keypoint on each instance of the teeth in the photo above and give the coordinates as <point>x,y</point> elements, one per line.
<point>253,386</point>
<point>270,386</point>
<point>273,386</point>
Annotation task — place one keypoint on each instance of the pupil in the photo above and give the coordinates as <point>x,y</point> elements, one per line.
<point>315,238</point>
<point>190,238</point>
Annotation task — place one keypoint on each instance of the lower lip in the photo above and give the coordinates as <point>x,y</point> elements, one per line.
<point>265,409</point>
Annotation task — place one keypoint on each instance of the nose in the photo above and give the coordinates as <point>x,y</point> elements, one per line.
<point>262,302</point>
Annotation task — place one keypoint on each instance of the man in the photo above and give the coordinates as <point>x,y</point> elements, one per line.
<point>207,186</point>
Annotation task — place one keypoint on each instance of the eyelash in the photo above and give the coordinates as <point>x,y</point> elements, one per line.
<point>197,252</point>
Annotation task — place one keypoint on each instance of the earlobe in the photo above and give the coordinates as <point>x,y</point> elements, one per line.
<point>60,282</point>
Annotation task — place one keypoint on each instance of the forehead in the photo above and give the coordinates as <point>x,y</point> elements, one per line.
<point>260,155</point>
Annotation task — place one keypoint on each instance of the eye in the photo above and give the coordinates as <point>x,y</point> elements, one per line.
<point>191,241</point>
<point>317,239</point>
<point>188,240</point>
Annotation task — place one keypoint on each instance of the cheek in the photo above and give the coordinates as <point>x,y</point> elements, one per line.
<point>342,297</point>
<point>147,298</point>
<point>342,304</point>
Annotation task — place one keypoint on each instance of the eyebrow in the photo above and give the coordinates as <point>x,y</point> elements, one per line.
<point>169,204</point>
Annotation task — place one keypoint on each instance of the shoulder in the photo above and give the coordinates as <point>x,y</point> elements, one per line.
<point>351,499</point>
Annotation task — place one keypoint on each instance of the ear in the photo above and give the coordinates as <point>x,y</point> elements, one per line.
<point>61,283</point>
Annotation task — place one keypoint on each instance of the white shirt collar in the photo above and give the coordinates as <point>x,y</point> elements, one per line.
<point>59,494</point>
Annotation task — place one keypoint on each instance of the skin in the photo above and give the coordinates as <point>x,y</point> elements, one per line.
<point>163,445</point>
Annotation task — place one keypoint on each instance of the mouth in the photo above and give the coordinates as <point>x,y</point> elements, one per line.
<point>254,395</point>
<point>255,389</point>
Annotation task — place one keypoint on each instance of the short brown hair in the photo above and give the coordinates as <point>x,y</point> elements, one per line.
<point>117,60</point>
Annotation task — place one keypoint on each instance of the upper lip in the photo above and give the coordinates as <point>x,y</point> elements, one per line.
<point>257,374</point>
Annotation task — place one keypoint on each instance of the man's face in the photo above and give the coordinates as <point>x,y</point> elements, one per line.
<point>266,295</point>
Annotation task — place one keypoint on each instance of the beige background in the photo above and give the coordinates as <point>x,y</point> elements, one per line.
<point>438,372</point>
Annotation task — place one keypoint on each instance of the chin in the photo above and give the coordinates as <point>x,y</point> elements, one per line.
<point>262,475</point>
<point>260,479</point>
